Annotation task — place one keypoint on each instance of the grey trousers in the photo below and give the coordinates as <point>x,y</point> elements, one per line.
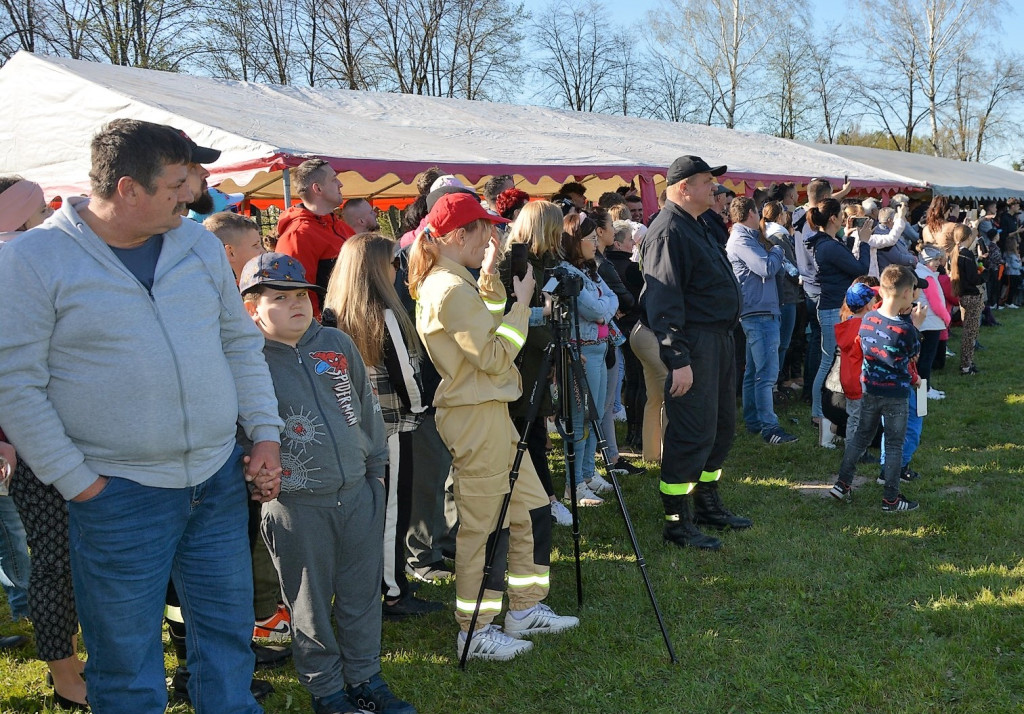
<point>330,561</point>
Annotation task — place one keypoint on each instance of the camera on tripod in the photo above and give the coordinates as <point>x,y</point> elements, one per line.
<point>561,283</point>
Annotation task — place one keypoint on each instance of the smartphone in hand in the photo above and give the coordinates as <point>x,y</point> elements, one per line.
<point>520,259</point>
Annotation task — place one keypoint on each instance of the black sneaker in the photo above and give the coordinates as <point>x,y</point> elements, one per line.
<point>841,491</point>
<point>410,606</point>
<point>898,505</point>
<point>625,468</point>
<point>270,656</point>
<point>907,475</point>
<point>776,435</point>
<point>375,696</point>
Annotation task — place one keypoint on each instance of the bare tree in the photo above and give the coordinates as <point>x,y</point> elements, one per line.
<point>720,46</point>
<point>20,25</point>
<point>831,84</point>
<point>346,53</point>
<point>67,22</point>
<point>788,81</point>
<point>232,49</point>
<point>155,34</point>
<point>982,104</point>
<point>666,94</point>
<point>484,49</point>
<point>576,55</point>
<point>275,30</point>
<point>624,90</point>
<point>892,96</point>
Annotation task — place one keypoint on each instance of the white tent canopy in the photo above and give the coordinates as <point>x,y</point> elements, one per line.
<point>946,177</point>
<point>378,142</point>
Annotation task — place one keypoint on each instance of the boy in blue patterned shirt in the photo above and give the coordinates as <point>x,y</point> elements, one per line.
<point>890,342</point>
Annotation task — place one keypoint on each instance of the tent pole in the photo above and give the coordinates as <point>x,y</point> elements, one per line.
<point>648,196</point>
<point>287,191</point>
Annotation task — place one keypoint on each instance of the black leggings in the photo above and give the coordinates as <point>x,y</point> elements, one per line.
<point>536,444</point>
<point>51,596</point>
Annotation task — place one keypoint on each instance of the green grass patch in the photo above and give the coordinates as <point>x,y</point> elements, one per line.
<point>821,607</point>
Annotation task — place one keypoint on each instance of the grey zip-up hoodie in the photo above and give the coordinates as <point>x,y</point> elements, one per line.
<point>104,377</point>
<point>334,434</point>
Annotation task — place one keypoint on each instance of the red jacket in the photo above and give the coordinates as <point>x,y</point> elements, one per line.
<point>314,241</point>
<point>851,357</point>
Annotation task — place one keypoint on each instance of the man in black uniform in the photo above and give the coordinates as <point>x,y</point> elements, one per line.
<point>692,302</point>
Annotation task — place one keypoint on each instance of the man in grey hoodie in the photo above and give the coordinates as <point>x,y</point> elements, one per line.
<point>128,359</point>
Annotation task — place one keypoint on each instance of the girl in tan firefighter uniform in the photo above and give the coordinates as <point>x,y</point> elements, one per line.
<point>472,343</point>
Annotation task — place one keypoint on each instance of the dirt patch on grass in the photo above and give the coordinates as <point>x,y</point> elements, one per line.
<point>955,490</point>
<point>820,488</point>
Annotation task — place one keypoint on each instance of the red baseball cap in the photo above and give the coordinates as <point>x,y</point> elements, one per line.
<point>457,210</point>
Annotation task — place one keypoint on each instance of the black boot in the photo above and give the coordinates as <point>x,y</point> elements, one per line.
<point>710,511</point>
<point>679,527</point>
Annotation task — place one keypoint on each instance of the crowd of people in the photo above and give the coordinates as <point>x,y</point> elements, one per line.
<point>366,397</point>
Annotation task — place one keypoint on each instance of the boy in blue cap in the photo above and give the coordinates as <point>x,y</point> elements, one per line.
<point>325,531</point>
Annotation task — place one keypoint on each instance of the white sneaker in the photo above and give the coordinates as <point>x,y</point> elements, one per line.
<point>599,485</point>
<point>489,642</point>
<point>539,619</point>
<point>560,514</point>
<point>620,415</point>
<point>936,394</point>
<point>584,496</point>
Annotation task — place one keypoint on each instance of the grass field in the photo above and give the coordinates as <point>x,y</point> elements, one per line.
<point>821,607</point>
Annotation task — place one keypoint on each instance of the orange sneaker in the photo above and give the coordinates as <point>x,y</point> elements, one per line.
<point>276,628</point>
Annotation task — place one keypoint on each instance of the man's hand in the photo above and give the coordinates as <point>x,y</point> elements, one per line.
<point>263,469</point>
<point>682,380</point>
<point>94,490</point>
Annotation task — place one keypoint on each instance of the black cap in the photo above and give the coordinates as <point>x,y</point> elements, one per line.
<point>200,154</point>
<point>686,166</point>
<point>922,284</point>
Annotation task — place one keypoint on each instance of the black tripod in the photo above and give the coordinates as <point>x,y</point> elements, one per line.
<point>571,380</point>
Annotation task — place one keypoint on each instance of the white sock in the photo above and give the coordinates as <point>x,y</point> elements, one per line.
<point>521,614</point>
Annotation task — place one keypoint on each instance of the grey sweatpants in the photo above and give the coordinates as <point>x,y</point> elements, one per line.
<point>330,560</point>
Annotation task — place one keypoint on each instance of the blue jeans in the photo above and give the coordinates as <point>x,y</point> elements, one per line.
<point>892,412</point>
<point>827,319</point>
<point>14,562</point>
<point>787,321</point>
<point>126,543</point>
<point>585,439</point>
<point>761,372</point>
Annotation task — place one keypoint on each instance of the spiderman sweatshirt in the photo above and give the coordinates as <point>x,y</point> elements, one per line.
<point>334,434</point>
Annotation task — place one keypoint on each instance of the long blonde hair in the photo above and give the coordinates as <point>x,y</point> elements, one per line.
<point>539,225</point>
<point>960,234</point>
<point>359,292</point>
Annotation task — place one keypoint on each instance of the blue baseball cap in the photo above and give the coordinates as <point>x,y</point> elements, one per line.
<point>275,270</point>
<point>859,294</point>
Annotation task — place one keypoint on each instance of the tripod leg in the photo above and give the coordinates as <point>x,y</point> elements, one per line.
<point>602,446</point>
<point>567,429</point>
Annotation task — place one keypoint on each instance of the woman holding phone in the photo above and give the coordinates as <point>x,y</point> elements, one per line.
<point>473,344</point>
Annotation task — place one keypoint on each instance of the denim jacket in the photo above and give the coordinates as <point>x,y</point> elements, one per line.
<point>596,304</point>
